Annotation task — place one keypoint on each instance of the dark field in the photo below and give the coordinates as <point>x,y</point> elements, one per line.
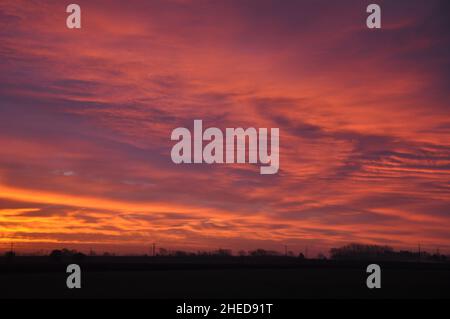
<point>232,278</point>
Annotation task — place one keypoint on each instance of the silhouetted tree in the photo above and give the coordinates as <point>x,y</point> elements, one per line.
<point>222,252</point>
<point>180,253</point>
<point>162,252</point>
<point>9,255</point>
<point>321,256</point>
<point>78,257</point>
<point>262,252</point>
<point>242,253</point>
<point>361,251</point>
<point>56,254</point>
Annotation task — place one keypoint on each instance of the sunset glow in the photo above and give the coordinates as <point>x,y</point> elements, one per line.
<point>86,117</point>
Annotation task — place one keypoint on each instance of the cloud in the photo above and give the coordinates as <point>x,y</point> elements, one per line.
<point>86,116</point>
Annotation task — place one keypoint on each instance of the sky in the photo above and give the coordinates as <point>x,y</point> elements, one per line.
<point>86,117</point>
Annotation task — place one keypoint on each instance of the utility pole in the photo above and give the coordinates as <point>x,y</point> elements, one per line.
<point>419,252</point>
<point>154,249</point>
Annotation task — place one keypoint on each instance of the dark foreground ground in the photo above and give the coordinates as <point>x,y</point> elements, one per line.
<point>228,278</point>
